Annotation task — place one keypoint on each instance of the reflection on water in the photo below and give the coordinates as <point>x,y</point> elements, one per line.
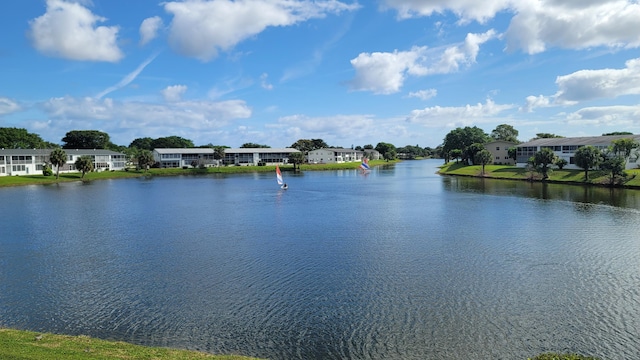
<point>398,264</point>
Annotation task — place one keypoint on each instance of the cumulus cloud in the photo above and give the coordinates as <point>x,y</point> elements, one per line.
<point>540,24</point>
<point>604,83</point>
<point>68,30</point>
<point>424,94</point>
<point>201,29</point>
<point>174,93</point>
<point>466,10</point>
<point>337,127</point>
<point>606,115</point>
<point>456,116</point>
<point>585,85</point>
<point>8,106</point>
<point>385,73</point>
<point>149,29</point>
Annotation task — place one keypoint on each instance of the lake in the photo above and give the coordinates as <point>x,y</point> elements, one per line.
<point>400,263</point>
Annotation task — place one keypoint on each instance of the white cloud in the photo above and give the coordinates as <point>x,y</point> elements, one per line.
<point>263,82</point>
<point>149,29</point>
<point>337,128</point>
<point>127,79</point>
<point>604,83</point>
<point>8,106</point>
<point>535,102</point>
<point>457,116</point>
<point>574,25</point>
<point>424,94</point>
<point>466,10</point>
<point>189,118</point>
<point>540,24</point>
<point>174,93</point>
<point>385,73</point>
<point>201,29</point>
<point>68,30</point>
<point>606,115</point>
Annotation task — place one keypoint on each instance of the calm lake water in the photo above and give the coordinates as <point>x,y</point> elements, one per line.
<point>398,264</point>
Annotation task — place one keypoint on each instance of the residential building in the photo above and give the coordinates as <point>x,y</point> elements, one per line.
<point>499,149</point>
<point>334,156</point>
<point>181,157</point>
<point>565,148</point>
<point>32,161</point>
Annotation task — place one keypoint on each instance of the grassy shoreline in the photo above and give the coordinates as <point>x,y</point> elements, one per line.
<point>568,177</point>
<point>39,179</point>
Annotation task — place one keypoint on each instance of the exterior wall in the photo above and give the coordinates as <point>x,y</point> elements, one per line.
<point>205,156</point>
<point>29,162</point>
<point>177,158</point>
<point>256,156</point>
<point>565,148</point>
<point>500,151</point>
<point>334,156</point>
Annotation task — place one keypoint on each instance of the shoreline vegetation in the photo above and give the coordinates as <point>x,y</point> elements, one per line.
<point>39,179</point>
<point>557,176</point>
<point>30,345</point>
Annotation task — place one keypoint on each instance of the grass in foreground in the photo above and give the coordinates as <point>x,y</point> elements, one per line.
<point>571,176</point>
<point>40,179</point>
<point>27,345</point>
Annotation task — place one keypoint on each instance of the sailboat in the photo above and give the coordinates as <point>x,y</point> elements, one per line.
<point>281,182</point>
<point>365,165</point>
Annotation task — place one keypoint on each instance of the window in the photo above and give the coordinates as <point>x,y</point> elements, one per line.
<point>498,148</point>
<point>18,168</point>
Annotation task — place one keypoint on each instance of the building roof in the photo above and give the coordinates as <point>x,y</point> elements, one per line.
<point>184,150</point>
<point>48,151</point>
<point>260,150</point>
<point>579,141</point>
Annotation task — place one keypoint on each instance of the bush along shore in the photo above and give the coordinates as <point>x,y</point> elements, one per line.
<point>36,179</point>
<point>630,180</point>
<point>29,345</point>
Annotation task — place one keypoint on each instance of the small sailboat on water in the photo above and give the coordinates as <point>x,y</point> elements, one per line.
<point>364,165</point>
<point>281,182</point>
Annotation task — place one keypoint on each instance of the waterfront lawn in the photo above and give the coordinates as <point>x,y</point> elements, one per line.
<point>572,176</point>
<point>39,179</point>
<point>27,345</point>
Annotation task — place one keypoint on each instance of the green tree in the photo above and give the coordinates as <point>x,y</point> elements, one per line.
<point>171,142</point>
<point>561,163</point>
<point>253,146</point>
<point>624,147</point>
<point>461,138</point>
<point>84,164</point>
<point>142,143</point>
<point>455,154</point>
<point>387,150</point>
<point>483,157</point>
<point>546,136</point>
<point>618,133</point>
<point>471,151</point>
<point>306,145</point>
<point>218,152</point>
<point>15,138</point>
<point>58,158</point>
<point>513,153</point>
<point>542,159</point>
<point>505,132</point>
<point>145,159</point>
<point>296,158</point>
<point>587,157</point>
<point>86,139</point>
<point>614,165</point>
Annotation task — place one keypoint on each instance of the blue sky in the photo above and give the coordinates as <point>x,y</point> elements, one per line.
<point>272,72</point>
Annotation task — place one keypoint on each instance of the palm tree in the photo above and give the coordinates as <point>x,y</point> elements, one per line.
<point>145,159</point>
<point>58,158</point>
<point>84,164</point>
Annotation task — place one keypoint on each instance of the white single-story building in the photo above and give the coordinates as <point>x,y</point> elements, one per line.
<point>565,148</point>
<point>334,156</point>
<point>500,151</point>
<point>181,157</point>
<point>32,161</point>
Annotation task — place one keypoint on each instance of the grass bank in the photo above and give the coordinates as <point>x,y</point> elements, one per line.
<point>575,177</point>
<point>28,345</point>
<point>39,179</point>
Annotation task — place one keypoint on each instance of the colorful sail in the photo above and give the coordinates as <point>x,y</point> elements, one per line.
<point>365,164</point>
<point>279,176</point>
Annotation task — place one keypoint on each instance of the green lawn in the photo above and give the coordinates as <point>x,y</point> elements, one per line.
<point>555,175</point>
<point>27,345</point>
<point>66,177</point>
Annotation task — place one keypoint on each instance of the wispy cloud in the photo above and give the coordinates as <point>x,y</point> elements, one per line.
<point>127,79</point>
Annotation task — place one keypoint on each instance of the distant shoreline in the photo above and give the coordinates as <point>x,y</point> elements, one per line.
<point>39,179</point>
